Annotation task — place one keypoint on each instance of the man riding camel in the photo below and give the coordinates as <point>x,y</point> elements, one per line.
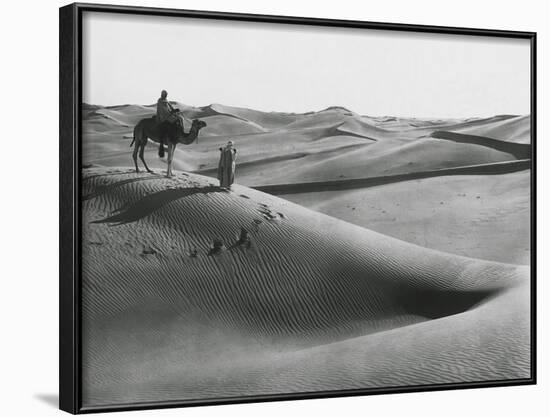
<point>166,119</point>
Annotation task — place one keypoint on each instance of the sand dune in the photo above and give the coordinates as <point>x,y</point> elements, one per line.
<point>127,115</point>
<point>374,280</point>
<point>268,120</point>
<point>220,125</point>
<point>340,185</point>
<point>331,144</point>
<point>329,153</point>
<point>336,149</point>
<point>518,150</point>
<point>512,129</point>
<point>309,302</point>
<point>481,216</point>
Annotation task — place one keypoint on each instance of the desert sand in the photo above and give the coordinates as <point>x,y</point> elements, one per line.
<point>480,216</point>
<point>334,143</point>
<point>473,174</point>
<point>404,261</point>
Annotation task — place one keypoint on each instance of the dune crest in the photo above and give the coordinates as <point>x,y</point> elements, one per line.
<point>332,144</point>
<point>161,307</point>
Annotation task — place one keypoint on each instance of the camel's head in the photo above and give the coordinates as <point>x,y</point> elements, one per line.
<point>199,124</point>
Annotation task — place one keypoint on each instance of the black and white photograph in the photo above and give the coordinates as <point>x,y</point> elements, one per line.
<point>260,207</point>
<point>253,208</point>
<point>271,209</point>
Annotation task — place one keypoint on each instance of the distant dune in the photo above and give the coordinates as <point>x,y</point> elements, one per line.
<point>518,150</point>
<point>512,129</point>
<point>268,120</point>
<point>331,144</point>
<point>305,302</point>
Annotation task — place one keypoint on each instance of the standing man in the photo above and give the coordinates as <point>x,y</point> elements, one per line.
<point>226,166</point>
<point>165,119</point>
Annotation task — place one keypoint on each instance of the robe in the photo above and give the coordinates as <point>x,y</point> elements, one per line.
<point>226,166</point>
<point>164,111</point>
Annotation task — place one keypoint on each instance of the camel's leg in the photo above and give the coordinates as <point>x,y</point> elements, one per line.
<point>170,157</point>
<point>134,155</point>
<point>162,140</point>
<point>141,150</point>
<point>168,162</point>
<point>161,149</point>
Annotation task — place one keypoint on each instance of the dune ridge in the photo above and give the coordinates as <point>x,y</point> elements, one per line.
<point>519,150</point>
<point>266,139</point>
<point>305,187</point>
<point>165,317</point>
<point>472,215</point>
<point>512,129</point>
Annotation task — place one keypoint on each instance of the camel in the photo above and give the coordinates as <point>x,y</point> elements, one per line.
<point>148,128</point>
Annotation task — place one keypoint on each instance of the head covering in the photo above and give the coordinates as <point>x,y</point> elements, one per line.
<point>163,93</point>
<point>230,143</point>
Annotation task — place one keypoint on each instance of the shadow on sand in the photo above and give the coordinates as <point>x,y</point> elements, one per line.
<point>519,150</point>
<point>494,168</point>
<point>105,188</point>
<point>152,202</point>
<point>434,304</point>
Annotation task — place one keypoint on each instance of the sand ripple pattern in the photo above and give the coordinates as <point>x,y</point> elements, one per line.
<point>308,302</point>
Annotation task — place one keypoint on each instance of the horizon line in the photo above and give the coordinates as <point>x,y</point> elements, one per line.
<point>311,111</point>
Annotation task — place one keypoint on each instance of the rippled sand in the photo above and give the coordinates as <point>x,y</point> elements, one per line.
<point>305,303</point>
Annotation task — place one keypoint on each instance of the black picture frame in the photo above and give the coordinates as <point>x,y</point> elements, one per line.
<point>70,92</point>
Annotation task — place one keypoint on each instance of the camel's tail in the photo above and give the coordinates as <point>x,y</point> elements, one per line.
<point>134,138</point>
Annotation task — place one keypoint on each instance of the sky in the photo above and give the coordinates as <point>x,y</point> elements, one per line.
<point>129,59</point>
